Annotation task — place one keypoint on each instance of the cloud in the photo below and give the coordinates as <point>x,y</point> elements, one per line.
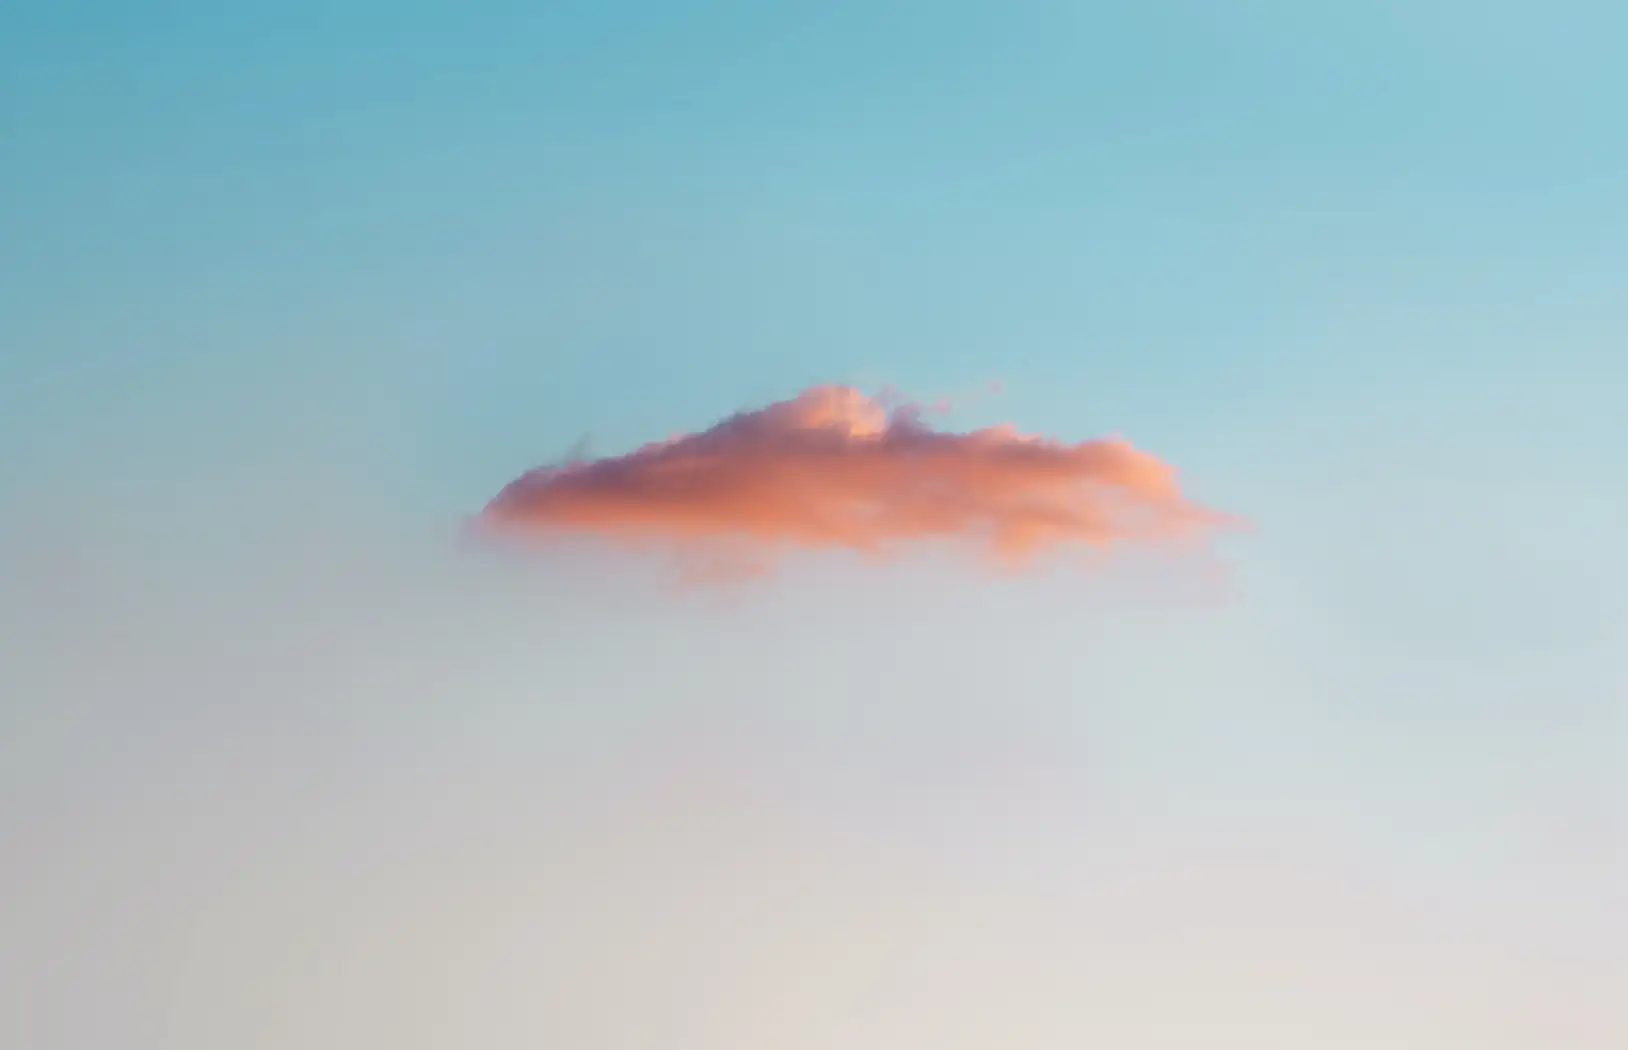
<point>833,469</point>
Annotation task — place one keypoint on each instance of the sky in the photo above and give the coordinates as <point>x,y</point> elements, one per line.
<point>290,293</point>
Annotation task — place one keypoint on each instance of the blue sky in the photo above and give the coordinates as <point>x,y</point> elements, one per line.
<point>1179,216</point>
<point>282,275</point>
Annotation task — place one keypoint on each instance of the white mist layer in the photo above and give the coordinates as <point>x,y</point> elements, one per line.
<point>340,793</point>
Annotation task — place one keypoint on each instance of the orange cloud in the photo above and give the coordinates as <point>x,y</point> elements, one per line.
<point>832,469</point>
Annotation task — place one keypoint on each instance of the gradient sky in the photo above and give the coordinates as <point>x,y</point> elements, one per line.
<point>288,290</point>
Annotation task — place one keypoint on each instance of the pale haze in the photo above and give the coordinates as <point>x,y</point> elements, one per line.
<point>290,293</point>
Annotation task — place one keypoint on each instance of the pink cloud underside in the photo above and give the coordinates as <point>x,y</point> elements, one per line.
<point>834,469</point>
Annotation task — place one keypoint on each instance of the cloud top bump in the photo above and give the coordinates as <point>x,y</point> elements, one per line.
<point>834,469</point>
